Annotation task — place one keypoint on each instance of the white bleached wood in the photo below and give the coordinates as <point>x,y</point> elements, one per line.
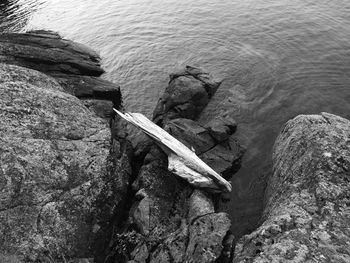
<point>182,161</point>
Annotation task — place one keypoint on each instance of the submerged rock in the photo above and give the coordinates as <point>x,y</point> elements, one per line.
<point>307,216</point>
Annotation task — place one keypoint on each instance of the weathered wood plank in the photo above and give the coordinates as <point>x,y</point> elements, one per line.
<point>182,161</point>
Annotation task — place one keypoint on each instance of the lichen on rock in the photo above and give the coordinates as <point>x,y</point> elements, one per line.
<point>307,215</point>
<point>53,162</point>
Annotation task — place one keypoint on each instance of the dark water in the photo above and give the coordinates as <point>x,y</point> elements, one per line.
<point>279,58</point>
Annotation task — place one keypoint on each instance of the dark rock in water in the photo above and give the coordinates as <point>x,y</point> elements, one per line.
<point>50,53</point>
<point>192,134</point>
<point>307,216</point>
<point>54,156</point>
<point>221,128</point>
<point>178,223</point>
<point>74,66</point>
<point>186,96</point>
<point>224,157</point>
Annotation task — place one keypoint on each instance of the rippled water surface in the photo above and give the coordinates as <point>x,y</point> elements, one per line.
<point>279,58</point>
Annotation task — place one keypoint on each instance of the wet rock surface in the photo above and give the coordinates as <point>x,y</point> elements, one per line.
<point>307,216</point>
<point>170,221</point>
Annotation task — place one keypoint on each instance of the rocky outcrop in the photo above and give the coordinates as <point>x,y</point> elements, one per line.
<point>63,175</point>
<point>169,221</point>
<point>307,215</point>
<point>53,160</point>
<point>72,187</point>
<point>76,67</point>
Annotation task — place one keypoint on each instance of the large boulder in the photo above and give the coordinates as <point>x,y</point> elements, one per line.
<point>307,215</point>
<point>55,168</point>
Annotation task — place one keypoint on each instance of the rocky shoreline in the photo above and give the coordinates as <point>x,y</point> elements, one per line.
<point>78,184</point>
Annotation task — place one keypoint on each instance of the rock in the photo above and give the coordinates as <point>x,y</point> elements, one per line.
<point>206,236</point>
<point>179,223</point>
<point>102,108</point>
<point>224,157</point>
<point>55,168</point>
<point>210,83</point>
<point>307,216</point>
<point>221,128</point>
<point>174,247</point>
<point>89,87</point>
<point>75,66</point>
<point>49,52</point>
<point>200,204</point>
<point>141,213</point>
<point>191,134</point>
<point>186,96</point>
<point>163,200</point>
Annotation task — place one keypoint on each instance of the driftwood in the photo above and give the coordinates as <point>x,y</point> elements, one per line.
<point>182,161</point>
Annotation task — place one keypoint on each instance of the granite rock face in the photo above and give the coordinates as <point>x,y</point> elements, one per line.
<point>54,157</point>
<point>307,215</point>
<point>64,176</point>
<point>170,221</point>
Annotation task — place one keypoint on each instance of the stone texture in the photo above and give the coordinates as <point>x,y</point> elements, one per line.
<point>76,67</point>
<point>307,215</point>
<point>65,182</point>
<point>178,223</point>
<point>192,134</point>
<point>221,128</point>
<point>200,204</point>
<point>206,235</point>
<point>55,169</point>
<point>223,156</point>
<point>49,50</point>
<point>186,95</point>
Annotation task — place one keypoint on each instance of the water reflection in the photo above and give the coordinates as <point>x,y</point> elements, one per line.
<point>14,14</point>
